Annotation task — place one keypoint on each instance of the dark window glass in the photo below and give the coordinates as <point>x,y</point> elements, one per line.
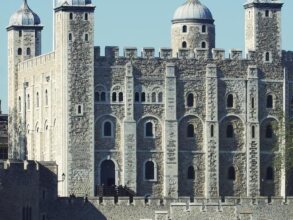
<point>20,33</point>
<point>19,51</point>
<point>230,131</point>
<point>86,37</point>
<point>203,45</point>
<point>70,37</point>
<point>70,16</point>
<point>114,97</point>
<point>267,13</point>
<point>149,170</point>
<point>252,103</point>
<point>253,131</point>
<point>269,131</point>
<point>107,129</point>
<point>120,97</point>
<point>212,130</point>
<point>154,97</point>
<point>270,173</point>
<point>142,97</point>
<point>136,97</point>
<point>79,109</point>
<point>103,96</point>
<point>149,129</point>
<point>160,97</point>
<point>184,29</point>
<point>231,173</point>
<point>190,130</point>
<point>230,101</point>
<point>184,44</point>
<point>204,29</point>
<point>267,56</point>
<point>190,100</point>
<point>190,173</point>
<point>86,16</point>
<point>269,101</point>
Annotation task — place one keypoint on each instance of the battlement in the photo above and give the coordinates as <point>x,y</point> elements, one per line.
<point>113,52</point>
<point>287,56</point>
<point>36,61</point>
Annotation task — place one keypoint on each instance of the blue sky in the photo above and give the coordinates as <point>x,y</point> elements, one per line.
<point>141,24</point>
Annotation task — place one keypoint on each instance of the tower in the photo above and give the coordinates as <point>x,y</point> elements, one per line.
<point>24,42</point>
<point>192,27</point>
<point>263,28</point>
<point>74,61</point>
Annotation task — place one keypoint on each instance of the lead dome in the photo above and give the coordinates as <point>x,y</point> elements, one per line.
<point>24,17</point>
<point>192,9</point>
<point>59,3</point>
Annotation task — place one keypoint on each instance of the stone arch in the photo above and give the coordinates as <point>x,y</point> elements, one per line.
<point>105,142</point>
<point>236,142</point>
<point>101,94</point>
<point>113,173</point>
<point>191,143</point>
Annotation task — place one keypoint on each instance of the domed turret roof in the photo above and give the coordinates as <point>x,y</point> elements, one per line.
<point>24,17</point>
<point>192,9</point>
<point>59,3</point>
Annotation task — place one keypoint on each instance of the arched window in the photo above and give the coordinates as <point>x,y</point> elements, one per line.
<point>267,13</point>
<point>28,102</point>
<point>160,98</point>
<point>107,129</point>
<point>46,97</point>
<point>231,173</point>
<point>97,96</point>
<point>269,131</point>
<point>19,103</point>
<point>253,131</point>
<point>149,129</point>
<point>269,101</point>
<point>19,51</point>
<point>230,101</point>
<point>190,130</point>
<point>70,37</point>
<point>79,109</point>
<point>270,173</point>
<point>142,97</point>
<point>230,131</point>
<point>212,130</point>
<point>20,33</point>
<point>114,97</point>
<point>149,170</point>
<point>191,173</point>
<point>204,29</point>
<point>154,97</point>
<point>184,29</point>
<point>28,51</point>
<point>120,96</point>
<point>86,16</point>
<point>267,56</point>
<point>184,44</point>
<point>103,96</point>
<point>86,37</point>
<point>136,97</point>
<point>203,45</point>
<point>252,102</point>
<point>190,100</point>
<point>70,16</point>
<point>38,100</point>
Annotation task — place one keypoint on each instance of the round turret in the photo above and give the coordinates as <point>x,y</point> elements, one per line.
<point>59,3</point>
<point>24,17</point>
<point>192,27</point>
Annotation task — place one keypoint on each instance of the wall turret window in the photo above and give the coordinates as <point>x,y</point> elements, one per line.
<point>191,173</point>
<point>203,45</point>
<point>184,44</point>
<point>19,51</point>
<point>231,173</point>
<point>149,130</point>
<point>270,101</point>
<point>230,101</point>
<point>86,16</point>
<point>184,29</point>
<point>204,29</point>
<point>28,51</point>
<point>150,171</point>
<point>229,131</point>
<point>190,131</point>
<point>190,100</point>
<point>270,173</point>
<point>107,129</point>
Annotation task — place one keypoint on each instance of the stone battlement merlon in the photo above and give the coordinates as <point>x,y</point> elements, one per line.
<point>36,61</point>
<point>15,165</point>
<point>113,52</point>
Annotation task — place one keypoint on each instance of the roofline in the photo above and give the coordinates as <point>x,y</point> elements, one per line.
<point>24,27</point>
<point>193,20</point>
<point>78,8</point>
<point>263,5</point>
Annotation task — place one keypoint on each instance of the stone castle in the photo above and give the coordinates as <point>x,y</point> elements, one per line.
<point>190,122</point>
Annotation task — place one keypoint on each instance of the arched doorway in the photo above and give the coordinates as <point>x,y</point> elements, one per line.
<point>108,173</point>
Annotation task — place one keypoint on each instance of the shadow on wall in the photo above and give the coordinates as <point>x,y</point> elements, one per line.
<point>75,209</point>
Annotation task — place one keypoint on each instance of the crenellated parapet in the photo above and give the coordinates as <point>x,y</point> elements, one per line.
<point>35,62</point>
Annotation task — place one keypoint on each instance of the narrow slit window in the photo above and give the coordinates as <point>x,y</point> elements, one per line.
<point>190,100</point>
<point>253,131</point>
<point>20,33</point>
<point>86,37</point>
<point>190,131</point>
<point>86,16</point>
<point>267,13</point>
<point>142,97</point>
<point>149,129</point>
<point>184,29</point>
<point>114,97</point>
<point>28,102</point>
<point>70,16</point>
<point>230,101</point>
<point>149,170</point>
<point>204,29</point>
<point>160,98</point>
<point>46,97</point>
<point>120,96</point>
<point>252,103</point>
<point>38,100</point>
<point>70,37</point>
<point>154,97</point>
<point>191,173</point>
<point>212,130</point>
<point>269,101</point>
<point>267,56</point>
<point>107,129</point>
